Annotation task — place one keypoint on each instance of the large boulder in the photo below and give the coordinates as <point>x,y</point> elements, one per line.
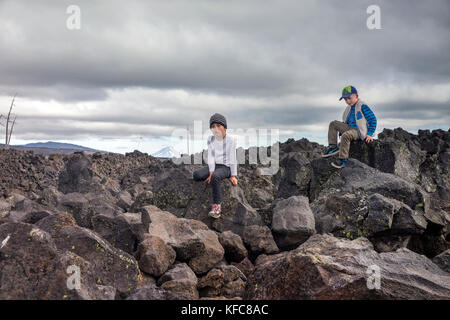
<point>181,281</point>
<point>29,211</point>
<point>292,222</point>
<point>259,240</point>
<point>361,201</point>
<point>155,256</point>
<point>32,267</point>
<point>113,267</point>
<point>192,240</point>
<point>233,245</point>
<point>294,175</point>
<point>325,267</point>
<point>422,159</point>
<point>117,230</point>
<point>77,176</point>
<point>224,281</point>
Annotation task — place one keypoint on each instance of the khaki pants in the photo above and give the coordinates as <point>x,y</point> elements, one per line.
<point>348,134</point>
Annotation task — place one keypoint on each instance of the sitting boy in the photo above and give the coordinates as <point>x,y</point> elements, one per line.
<point>359,122</point>
<point>221,161</point>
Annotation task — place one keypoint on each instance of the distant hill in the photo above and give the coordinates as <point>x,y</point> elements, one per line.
<point>51,147</point>
<point>57,145</point>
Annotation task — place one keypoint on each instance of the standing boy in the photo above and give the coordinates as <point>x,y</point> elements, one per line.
<point>221,161</point>
<point>358,122</point>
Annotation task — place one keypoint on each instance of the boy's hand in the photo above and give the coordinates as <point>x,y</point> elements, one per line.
<point>368,138</point>
<point>208,180</point>
<point>233,180</point>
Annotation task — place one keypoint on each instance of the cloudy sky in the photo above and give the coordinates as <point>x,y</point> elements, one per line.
<point>136,71</point>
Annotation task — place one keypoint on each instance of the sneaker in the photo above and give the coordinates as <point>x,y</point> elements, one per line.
<point>332,150</point>
<point>340,163</point>
<point>216,209</point>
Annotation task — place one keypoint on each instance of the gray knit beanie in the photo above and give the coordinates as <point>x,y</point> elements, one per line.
<point>217,118</point>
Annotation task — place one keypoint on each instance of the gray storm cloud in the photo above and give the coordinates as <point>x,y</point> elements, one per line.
<point>147,67</point>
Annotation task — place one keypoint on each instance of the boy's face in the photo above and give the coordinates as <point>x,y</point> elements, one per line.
<point>218,131</point>
<point>352,99</point>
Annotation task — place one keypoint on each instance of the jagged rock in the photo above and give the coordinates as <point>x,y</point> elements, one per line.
<point>33,268</point>
<point>292,222</point>
<point>259,239</point>
<point>113,267</point>
<point>77,175</point>
<point>213,279</point>
<point>151,292</point>
<point>191,239</point>
<point>116,230</point>
<point>144,198</point>
<point>179,271</point>
<point>294,176</point>
<point>53,224</point>
<point>246,266</point>
<point>181,289</point>
<point>443,260</point>
<point>361,201</point>
<point>226,280</point>
<point>422,159</point>
<point>50,197</point>
<point>124,200</point>
<point>138,222</point>
<point>28,211</point>
<point>77,205</point>
<point>214,252</point>
<point>408,221</point>
<point>325,267</point>
<point>358,176</point>
<point>233,246</point>
<point>155,256</point>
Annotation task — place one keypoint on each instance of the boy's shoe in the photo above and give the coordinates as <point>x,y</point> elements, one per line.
<point>340,163</point>
<point>216,210</point>
<point>332,150</point>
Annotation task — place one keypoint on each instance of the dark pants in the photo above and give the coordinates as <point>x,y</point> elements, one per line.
<point>221,172</point>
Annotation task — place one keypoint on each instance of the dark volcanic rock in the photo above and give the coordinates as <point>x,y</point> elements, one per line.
<point>443,260</point>
<point>113,267</point>
<point>293,222</point>
<point>155,256</point>
<point>258,240</point>
<point>192,240</point>
<point>233,245</point>
<point>32,267</point>
<point>151,292</point>
<point>325,267</point>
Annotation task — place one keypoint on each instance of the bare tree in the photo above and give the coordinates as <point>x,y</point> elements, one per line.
<point>9,130</point>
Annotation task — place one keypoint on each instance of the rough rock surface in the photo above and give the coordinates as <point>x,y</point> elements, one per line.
<point>389,207</point>
<point>325,267</point>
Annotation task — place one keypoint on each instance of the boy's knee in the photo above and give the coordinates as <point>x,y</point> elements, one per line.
<point>333,123</point>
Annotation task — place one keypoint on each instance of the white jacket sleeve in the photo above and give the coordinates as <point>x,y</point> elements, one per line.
<point>233,161</point>
<point>211,160</point>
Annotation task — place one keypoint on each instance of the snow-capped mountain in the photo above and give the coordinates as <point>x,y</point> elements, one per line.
<point>167,152</point>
